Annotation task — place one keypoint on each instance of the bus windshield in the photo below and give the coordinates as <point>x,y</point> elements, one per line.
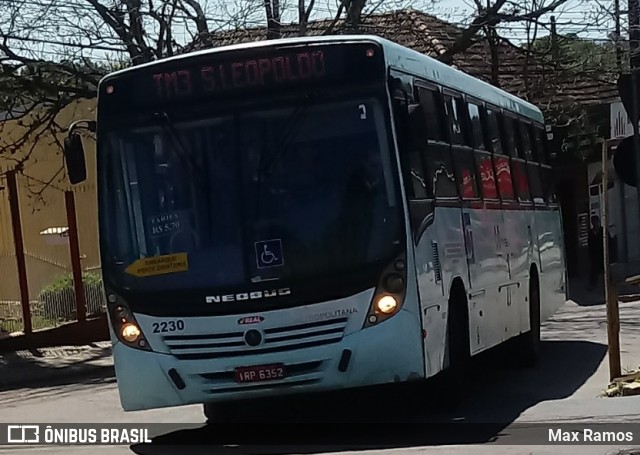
<point>303,191</point>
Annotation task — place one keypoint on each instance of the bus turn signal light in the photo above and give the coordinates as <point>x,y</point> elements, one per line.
<point>131,332</point>
<point>386,304</point>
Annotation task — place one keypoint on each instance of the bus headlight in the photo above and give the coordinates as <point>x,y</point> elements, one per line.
<point>125,326</point>
<point>389,294</point>
<point>131,332</point>
<point>386,304</point>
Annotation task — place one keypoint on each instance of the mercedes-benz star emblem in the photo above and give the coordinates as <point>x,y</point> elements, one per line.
<point>253,338</point>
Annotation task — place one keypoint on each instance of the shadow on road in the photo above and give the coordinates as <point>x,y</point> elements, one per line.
<point>491,398</point>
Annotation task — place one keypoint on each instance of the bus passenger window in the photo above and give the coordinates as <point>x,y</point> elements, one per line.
<point>466,174</point>
<point>549,185</point>
<point>525,142</point>
<point>494,132</point>
<point>536,184</point>
<point>418,188</point>
<point>431,102</point>
<point>541,150</point>
<point>440,174</point>
<point>503,175</point>
<point>509,136</point>
<point>520,177</point>
<point>533,168</point>
<point>487,177</point>
<point>455,123</point>
<point>477,137</point>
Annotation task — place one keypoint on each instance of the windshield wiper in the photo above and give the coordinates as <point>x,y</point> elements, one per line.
<point>281,141</point>
<point>178,145</point>
<point>287,133</point>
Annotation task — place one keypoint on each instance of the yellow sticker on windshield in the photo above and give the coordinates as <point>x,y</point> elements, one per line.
<point>159,265</point>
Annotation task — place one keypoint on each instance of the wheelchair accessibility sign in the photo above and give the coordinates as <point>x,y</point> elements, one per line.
<point>269,253</point>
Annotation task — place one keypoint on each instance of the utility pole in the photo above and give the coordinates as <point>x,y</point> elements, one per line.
<point>616,5</point>
<point>610,285</point>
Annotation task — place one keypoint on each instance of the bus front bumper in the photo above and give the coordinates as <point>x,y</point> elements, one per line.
<point>389,352</point>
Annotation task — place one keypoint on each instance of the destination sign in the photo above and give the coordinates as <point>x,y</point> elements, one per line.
<point>249,73</point>
<point>246,72</point>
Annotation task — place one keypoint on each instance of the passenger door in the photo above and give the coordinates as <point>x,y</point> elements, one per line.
<point>504,180</point>
<point>440,251</point>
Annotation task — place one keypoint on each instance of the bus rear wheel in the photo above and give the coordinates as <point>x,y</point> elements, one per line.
<point>527,352</point>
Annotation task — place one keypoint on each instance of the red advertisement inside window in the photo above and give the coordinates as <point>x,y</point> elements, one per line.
<point>503,172</point>
<point>487,178</point>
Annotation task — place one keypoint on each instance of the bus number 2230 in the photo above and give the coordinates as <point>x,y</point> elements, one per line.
<point>168,326</point>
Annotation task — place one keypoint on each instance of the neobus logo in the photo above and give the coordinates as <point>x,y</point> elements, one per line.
<point>255,295</point>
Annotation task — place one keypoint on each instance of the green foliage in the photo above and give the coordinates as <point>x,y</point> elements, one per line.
<point>66,282</point>
<point>58,299</point>
<point>577,54</point>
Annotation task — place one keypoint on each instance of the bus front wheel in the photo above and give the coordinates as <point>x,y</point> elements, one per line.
<point>221,412</point>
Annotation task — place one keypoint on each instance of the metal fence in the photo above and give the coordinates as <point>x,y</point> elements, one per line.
<point>39,233</point>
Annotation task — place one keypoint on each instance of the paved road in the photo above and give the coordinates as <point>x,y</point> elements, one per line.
<point>564,387</point>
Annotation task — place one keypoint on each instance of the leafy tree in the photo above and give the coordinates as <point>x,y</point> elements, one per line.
<point>54,52</point>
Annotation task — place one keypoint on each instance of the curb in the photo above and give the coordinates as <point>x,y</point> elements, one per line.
<point>57,351</point>
<point>55,366</point>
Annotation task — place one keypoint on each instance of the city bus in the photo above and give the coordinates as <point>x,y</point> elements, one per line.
<point>312,214</point>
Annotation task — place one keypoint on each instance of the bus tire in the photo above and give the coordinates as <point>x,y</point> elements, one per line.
<point>527,353</point>
<point>458,342</point>
<point>221,413</point>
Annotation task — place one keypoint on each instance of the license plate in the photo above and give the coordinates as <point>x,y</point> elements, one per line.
<point>260,373</point>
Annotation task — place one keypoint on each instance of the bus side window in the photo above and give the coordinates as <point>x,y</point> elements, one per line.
<point>533,167</point>
<point>431,103</point>
<point>503,176</point>
<point>479,139</point>
<point>541,152</point>
<point>543,146</point>
<point>502,168</point>
<point>493,132</point>
<point>518,165</point>
<point>411,147</point>
<point>549,185</point>
<point>455,123</point>
<point>525,142</point>
<point>476,134</point>
<point>487,176</point>
<point>548,181</point>
<point>463,155</point>
<point>437,158</point>
<point>507,133</point>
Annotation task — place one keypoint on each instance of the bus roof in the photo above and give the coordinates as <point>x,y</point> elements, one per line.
<point>396,56</point>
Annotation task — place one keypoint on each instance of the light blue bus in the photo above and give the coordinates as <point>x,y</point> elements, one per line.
<point>313,214</point>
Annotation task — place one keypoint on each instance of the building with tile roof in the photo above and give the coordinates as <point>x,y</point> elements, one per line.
<point>506,65</point>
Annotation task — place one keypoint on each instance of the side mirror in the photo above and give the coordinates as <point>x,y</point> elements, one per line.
<point>74,158</point>
<point>624,161</point>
